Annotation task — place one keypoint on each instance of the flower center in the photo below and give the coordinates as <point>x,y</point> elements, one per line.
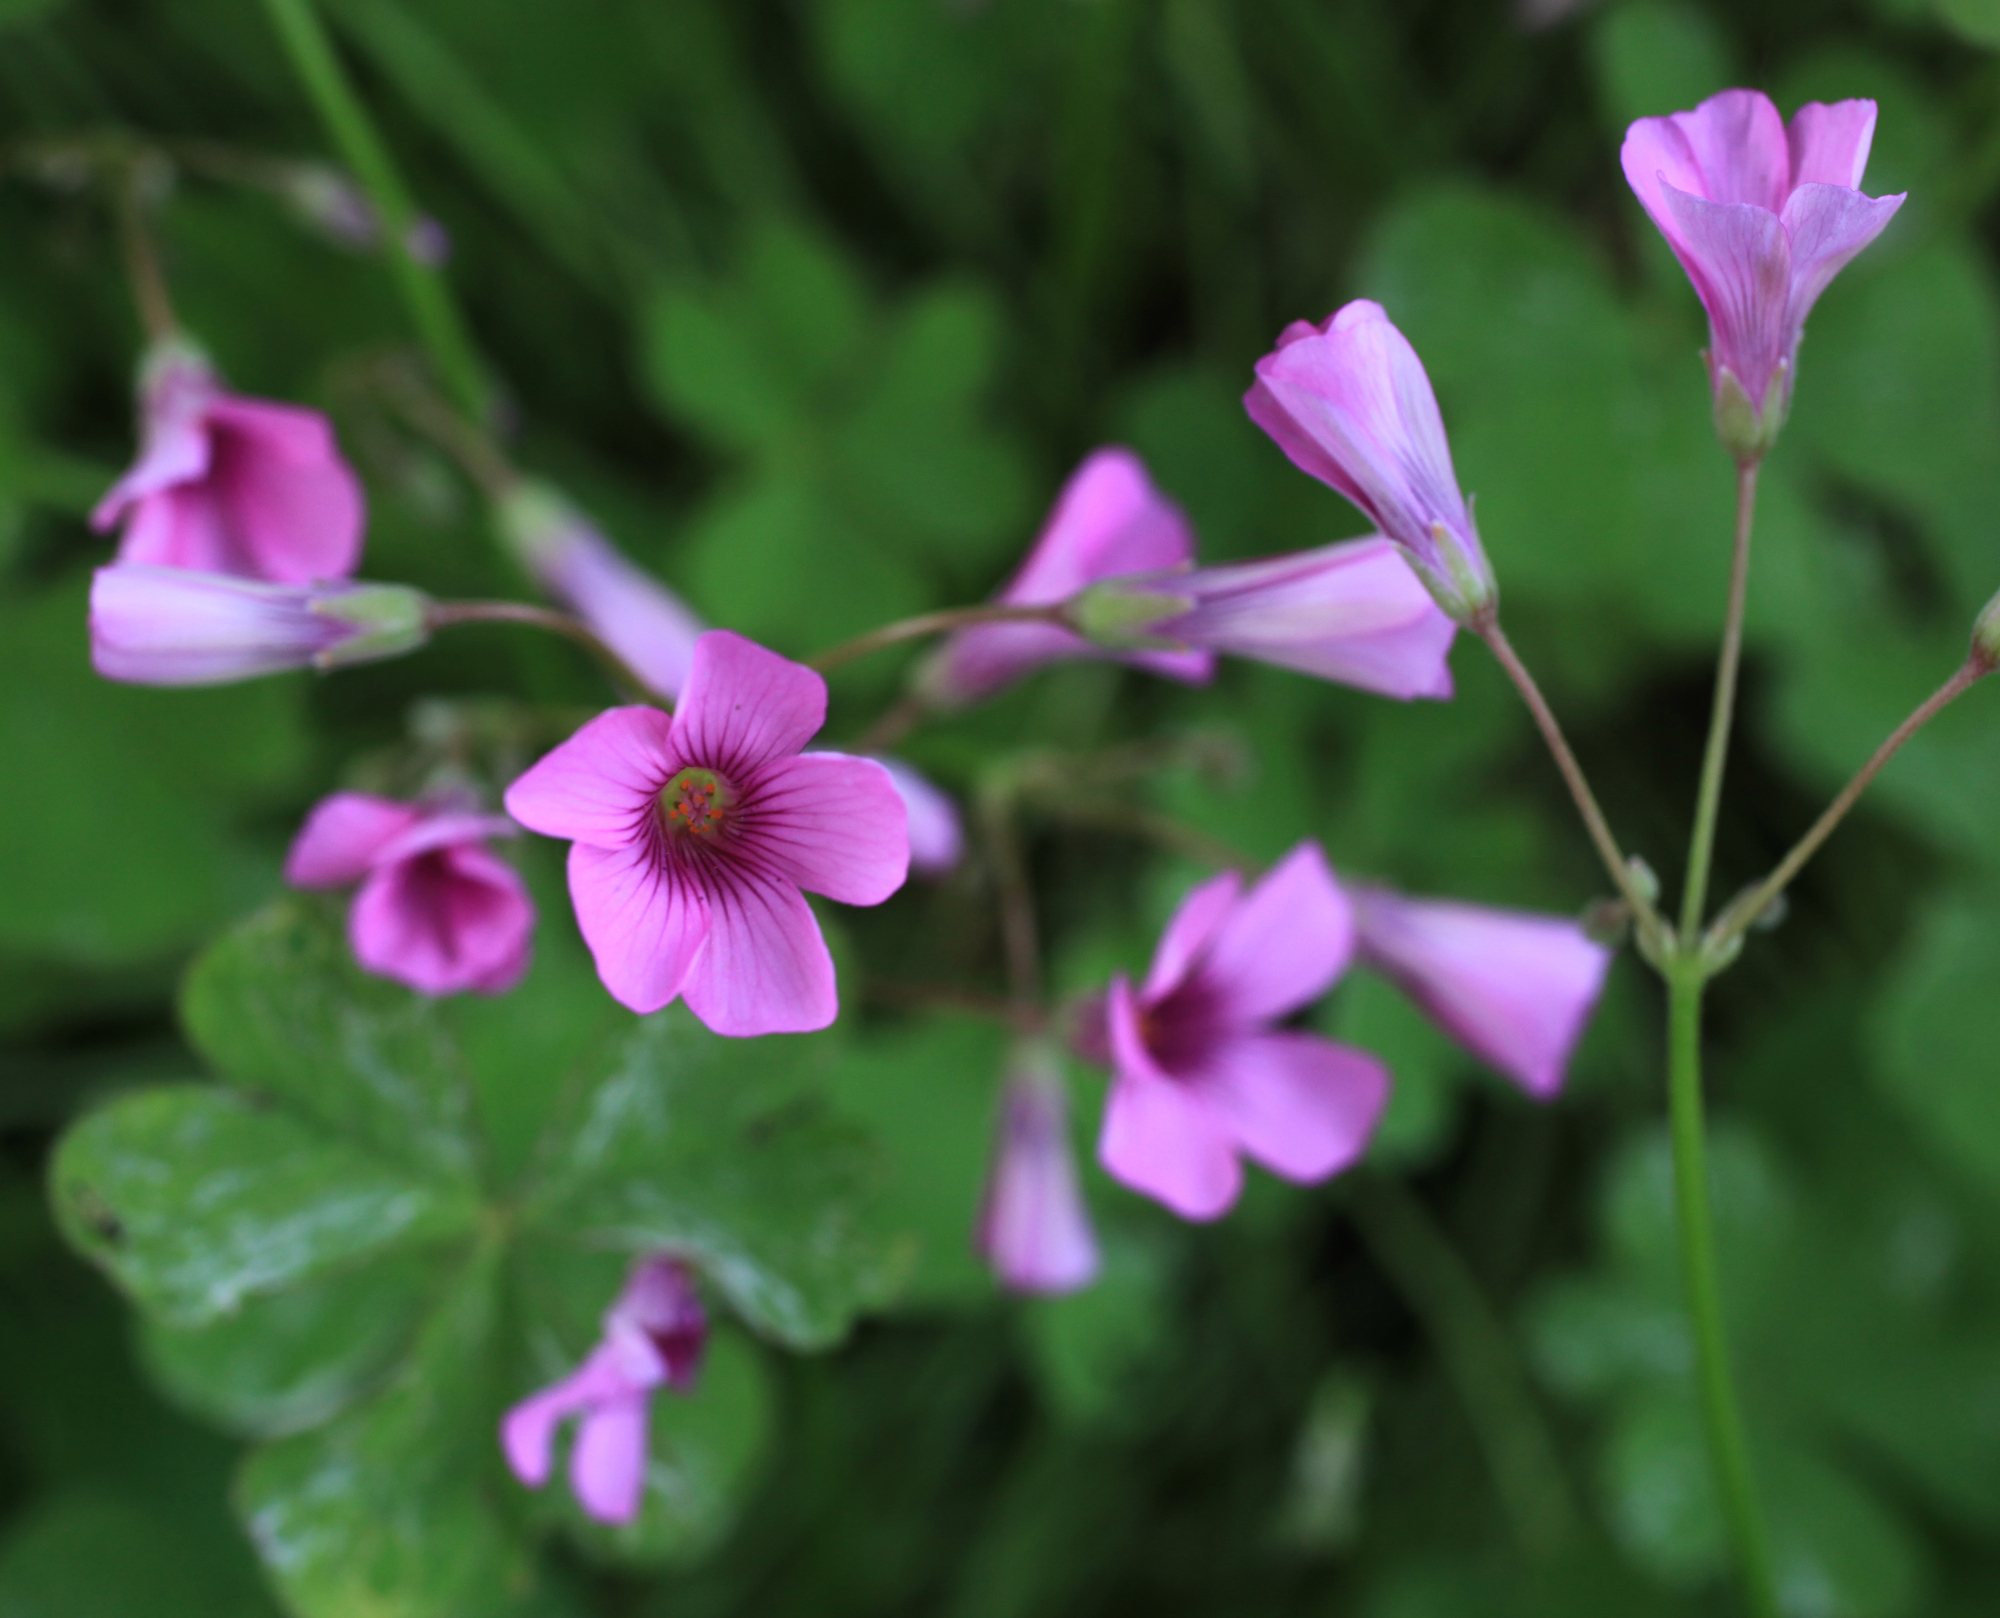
<point>696,803</point>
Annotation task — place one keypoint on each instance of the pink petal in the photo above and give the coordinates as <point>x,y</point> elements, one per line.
<point>1300,1105</point>
<point>176,452</point>
<point>599,786</point>
<point>293,506</point>
<point>1352,612</point>
<point>1033,1228</point>
<point>1828,225</point>
<point>643,920</point>
<point>765,967</point>
<point>607,1463</point>
<point>833,824</point>
<point>1741,264</point>
<point>1188,933</point>
<point>527,1433</point>
<point>1740,148</point>
<point>182,527</point>
<point>441,828</point>
<point>744,706</point>
<point>639,618</point>
<point>1829,144</point>
<point>1515,989</point>
<point>444,921</point>
<point>1283,944</point>
<point>937,841</point>
<point>343,837</point>
<point>1160,1137</point>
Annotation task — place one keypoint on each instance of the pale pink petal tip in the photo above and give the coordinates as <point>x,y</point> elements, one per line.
<point>1203,1077</point>
<point>694,838</point>
<point>1033,1229</point>
<point>1516,989</point>
<point>937,839</point>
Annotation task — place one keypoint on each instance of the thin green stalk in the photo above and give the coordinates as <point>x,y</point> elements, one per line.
<point>432,311</point>
<point>1728,1452</point>
<point>446,614</point>
<point>1479,1357</point>
<point>933,623</point>
<point>1708,798</point>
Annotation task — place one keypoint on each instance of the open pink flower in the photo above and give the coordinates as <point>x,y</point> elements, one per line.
<point>1352,612</point>
<point>1762,218</point>
<point>655,1334</point>
<point>1109,519</point>
<point>225,484</point>
<point>1202,1076</point>
<point>692,836</point>
<point>1514,988</point>
<point>1033,1228</point>
<point>1348,400</point>
<point>628,609</point>
<point>437,909</point>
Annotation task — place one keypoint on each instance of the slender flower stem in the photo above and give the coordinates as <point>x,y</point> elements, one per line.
<point>445,614</point>
<point>1742,911</point>
<point>1728,1452</point>
<point>142,259</point>
<point>1018,932</point>
<point>1708,797</point>
<point>432,311</point>
<point>1478,1355</point>
<point>1645,917</point>
<point>894,723</point>
<point>933,623</point>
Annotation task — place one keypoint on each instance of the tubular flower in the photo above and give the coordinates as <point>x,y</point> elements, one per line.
<point>437,910</point>
<point>1202,1077</point>
<point>1108,520</point>
<point>655,1335</point>
<point>639,618</point>
<point>171,626</point>
<point>1033,1229</point>
<point>692,836</point>
<point>225,484</point>
<point>1514,988</point>
<point>1351,613</point>
<point>1349,402</point>
<point>1762,218</point>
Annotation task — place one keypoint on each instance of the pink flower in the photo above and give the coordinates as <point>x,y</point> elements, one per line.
<point>225,484</point>
<point>694,834</point>
<point>1033,1228</point>
<point>437,909</point>
<point>937,841</point>
<point>1202,1077</point>
<point>1513,988</point>
<point>169,626</point>
<point>1108,520</point>
<point>1762,218</point>
<point>655,1334</point>
<point>639,618</point>
<point>1352,612</point>
<point>1349,402</point>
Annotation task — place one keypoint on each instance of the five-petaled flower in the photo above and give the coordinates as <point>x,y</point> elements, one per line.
<point>437,909</point>
<point>1202,1075</point>
<point>225,484</point>
<point>1762,218</point>
<point>1348,400</point>
<point>655,1334</point>
<point>693,835</point>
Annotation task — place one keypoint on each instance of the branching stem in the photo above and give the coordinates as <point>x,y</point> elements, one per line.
<point>933,623</point>
<point>445,614</point>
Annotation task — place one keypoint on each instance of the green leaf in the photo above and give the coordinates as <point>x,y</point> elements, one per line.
<point>88,1554</point>
<point>1655,57</point>
<point>195,1199</point>
<point>720,1150</point>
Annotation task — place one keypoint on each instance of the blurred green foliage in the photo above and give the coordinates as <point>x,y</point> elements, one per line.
<point>813,303</point>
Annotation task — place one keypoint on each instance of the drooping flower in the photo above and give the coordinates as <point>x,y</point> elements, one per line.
<point>1762,218</point>
<point>639,618</point>
<point>1033,1229</point>
<point>1352,612</point>
<point>1348,400</point>
<point>1202,1078</point>
<point>171,626</point>
<point>937,840</point>
<point>692,836</point>
<point>655,1335</point>
<point>437,910</point>
<point>1108,520</point>
<point>1512,987</point>
<point>226,484</point>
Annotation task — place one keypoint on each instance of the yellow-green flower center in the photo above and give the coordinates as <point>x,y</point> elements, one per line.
<point>696,803</point>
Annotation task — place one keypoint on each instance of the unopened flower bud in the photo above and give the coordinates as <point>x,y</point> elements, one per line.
<point>1121,614</point>
<point>1033,1228</point>
<point>1745,429</point>
<point>325,199</point>
<point>1986,637</point>
<point>175,626</point>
